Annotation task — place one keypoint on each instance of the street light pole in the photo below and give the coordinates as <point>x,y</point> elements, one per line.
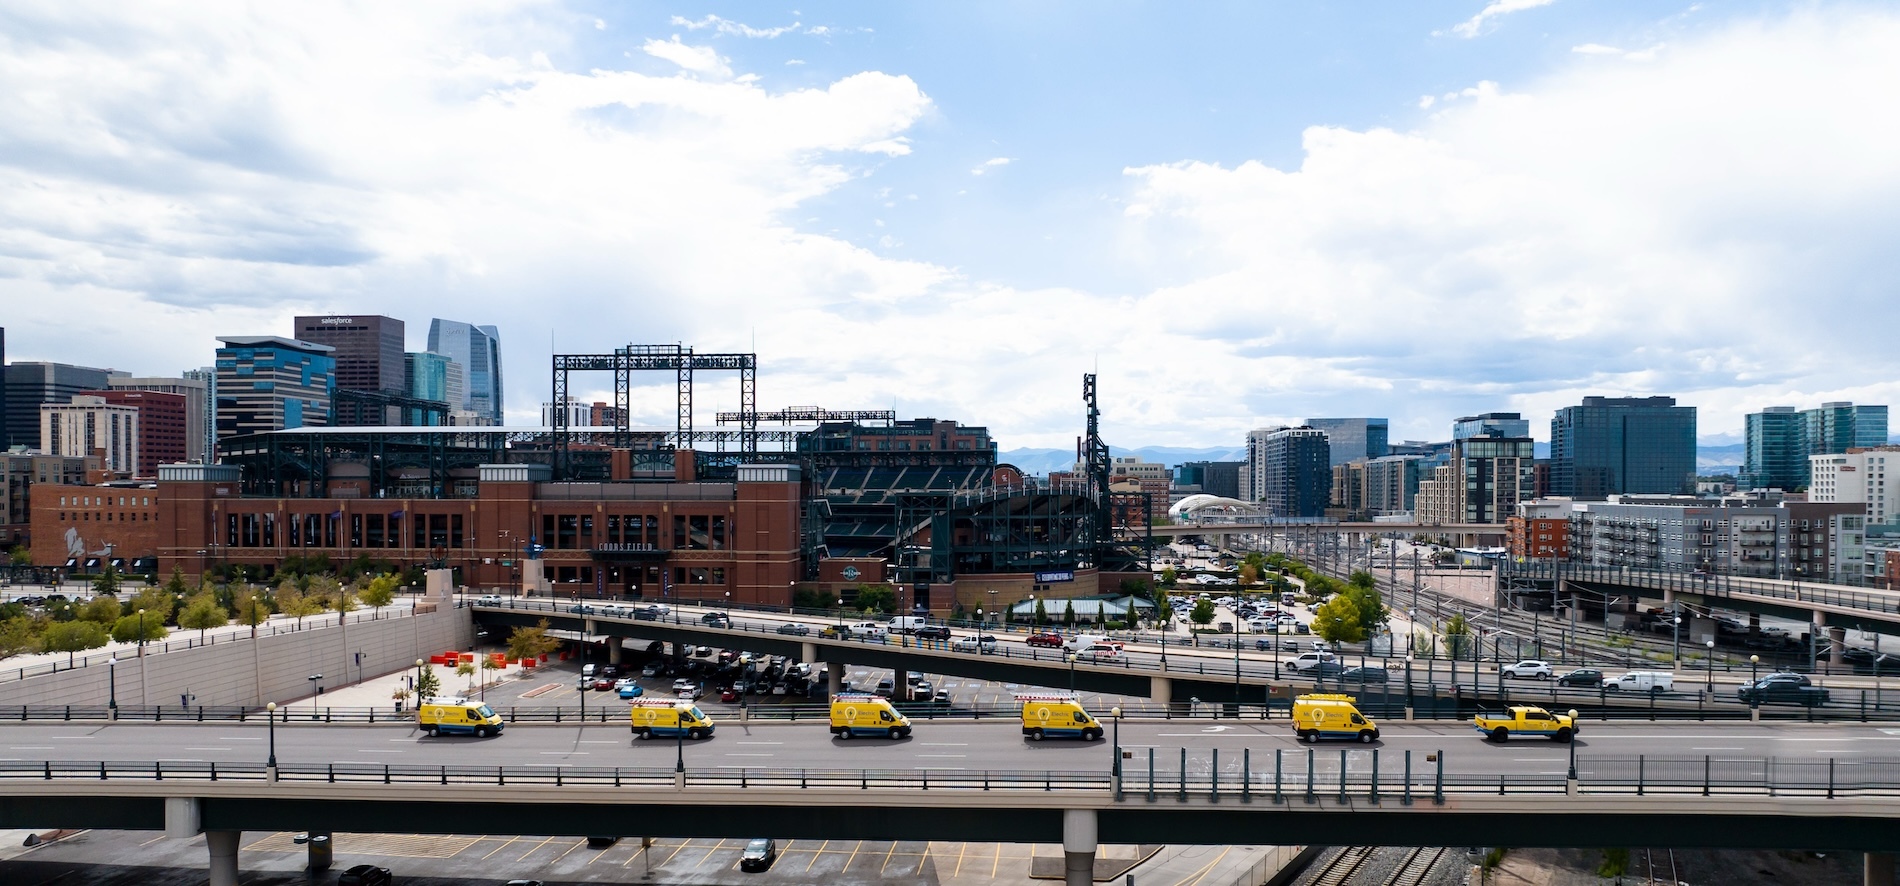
<point>270,713</point>
<point>1572,776</point>
<point>1711,683</point>
<point>1116,768</point>
<point>1071,658</point>
<point>112,687</point>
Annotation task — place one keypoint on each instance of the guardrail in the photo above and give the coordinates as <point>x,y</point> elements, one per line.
<point>1283,776</point>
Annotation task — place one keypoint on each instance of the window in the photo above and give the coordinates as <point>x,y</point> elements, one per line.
<point>455,530</point>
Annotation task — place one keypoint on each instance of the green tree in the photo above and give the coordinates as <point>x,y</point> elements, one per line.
<point>202,614</point>
<point>1337,621</point>
<point>428,684</point>
<point>176,584</point>
<point>1169,576</point>
<point>74,636</point>
<point>466,669</point>
<point>814,598</point>
<point>157,603</point>
<point>252,609</point>
<point>1042,613</point>
<point>298,604</point>
<point>876,598</point>
<point>1372,609</point>
<point>19,634</point>
<point>139,626</point>
<point>103,609</point>
<point>1164,611</point>
<point>1068,613</point>
<point>20,556</point>
<point>106,582</point>
<point>1362,579</point>
<point>529,643</point>
<point>1457,635</point>
<point>1203,613</point>
<point>381,591</point>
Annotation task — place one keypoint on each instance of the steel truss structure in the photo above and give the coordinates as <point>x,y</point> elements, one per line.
<point>675,358</point>
<point>355,409</point>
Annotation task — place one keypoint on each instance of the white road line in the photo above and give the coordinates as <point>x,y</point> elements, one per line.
<point>751,755</point>
<point>944,744</point>
<point>239,738</point>
<point>561,753</point>
<point>1718,749</point>
<point>31,748</point>
<point>944,756</point>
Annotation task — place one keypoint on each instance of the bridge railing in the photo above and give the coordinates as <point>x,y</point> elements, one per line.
<point>1307,774</point>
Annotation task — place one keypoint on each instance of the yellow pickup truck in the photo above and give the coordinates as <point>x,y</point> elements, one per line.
<point>1526,720</point>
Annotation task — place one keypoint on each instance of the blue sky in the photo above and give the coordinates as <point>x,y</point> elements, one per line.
<point>1237,214</point>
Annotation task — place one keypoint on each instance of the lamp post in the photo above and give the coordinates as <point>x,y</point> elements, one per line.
<point>1675,656</point>
<point>1572,776</point>
<point>1754,697</point>
<point>1071,658</point>
<point>1408,686</point>
<point>1711,682</point>
<point>112,687</point>
<point>1236,664</point>
<point>418,684</point>
<point>141,633</point>
<point>270,714</point>
<point>1115,769</point>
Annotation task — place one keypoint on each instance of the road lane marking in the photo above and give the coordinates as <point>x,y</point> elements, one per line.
<point>238,738</point>
<point>31,748</point>
<point>1718,749</point>
<point>946,756</point>
<point>559,753</point>
<point>504,845</point>
<point>750,755</point>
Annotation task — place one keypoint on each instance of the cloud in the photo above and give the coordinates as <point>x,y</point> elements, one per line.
<point>1488,15</point>
<point>698,59</point>
<point>736,29</point>
<point>1640,55</point>
<point>992,163</point>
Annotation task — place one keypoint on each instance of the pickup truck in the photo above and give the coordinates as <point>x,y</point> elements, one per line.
<point>1524,720</point>
<point>1783,689</point>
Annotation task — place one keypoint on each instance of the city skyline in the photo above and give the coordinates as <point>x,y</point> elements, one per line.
<point>1422,214</point>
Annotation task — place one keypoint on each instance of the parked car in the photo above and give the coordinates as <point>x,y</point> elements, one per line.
<point>628,689</point>
<point>1045,638</point>
<point>653,669</point>
<point>729,694</point>
<point>1362,675</point>
<point>886,687</point>
<point>1529,669</point>
<point>1783,689</point>
<point>716,619</point>
<point>795,629</point>
<point>702,652</point>
<point>982,643</point>
<point>365,875</point>
<point>942,697</point>
<point>601,842</point>
<point>488,600</point>
<point>603,684</point>
<point>1589,677</point>
<point>1309,661</point>
<point>758,855</point>
<point>932,632</point>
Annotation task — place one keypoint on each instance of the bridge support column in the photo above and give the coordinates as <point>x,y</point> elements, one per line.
<point>808,652</point>
<point>1877,869</point>
<point>1669,599</point>
<point>834,678</point>
<point>900,684</point>
<point>1161,690</point>
<point>1078,848</point>
<point>223,846</point>
<point>614,648</point>
<point>1837,637</point>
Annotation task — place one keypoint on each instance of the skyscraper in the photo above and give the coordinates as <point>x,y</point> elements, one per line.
<point>1291,470</point>
<point>31,385</point>
<point>1612,445</point>
<point>1491,424</point>
<point>1352,439</point>
<point>368,349</point>
<point>1776,454</point>
<point>3,390</point>
<point>195,388</point>
<point>1838,427</point>
<point>426,377</point>
<point>478,349</point>
<point>267,383</point>
<point>164,422</point>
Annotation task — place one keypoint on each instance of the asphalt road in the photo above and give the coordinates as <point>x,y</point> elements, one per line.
<point>934,745</point>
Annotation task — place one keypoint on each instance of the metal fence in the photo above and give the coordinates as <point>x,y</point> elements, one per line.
<point>1307,775</point>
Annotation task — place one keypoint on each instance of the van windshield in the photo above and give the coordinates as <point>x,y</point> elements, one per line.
<point>696,714</point>
<point>485,711</point>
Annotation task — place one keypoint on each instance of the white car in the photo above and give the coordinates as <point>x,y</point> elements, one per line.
<point>985,643</point>
<point>1527,670</point>
<point>1309,661</point>
<point>488,600</point>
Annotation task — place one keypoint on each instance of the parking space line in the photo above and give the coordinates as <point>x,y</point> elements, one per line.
<point>544,841</point>
<point>151,841</point>
<point>854,856</point>
<point>818,854</point>
<point>676,851</point>
<point>504,845</point>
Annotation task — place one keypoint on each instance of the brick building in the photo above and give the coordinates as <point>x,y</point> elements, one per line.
<point>84,527</point>
<point>1539,530</point>
<point>164,426</point>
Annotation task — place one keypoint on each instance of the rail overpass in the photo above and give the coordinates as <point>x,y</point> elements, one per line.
<point>1431,786</point>
<point>1463,534</point>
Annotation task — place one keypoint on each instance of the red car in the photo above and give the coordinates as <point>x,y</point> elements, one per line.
<point>603,684</point>
<point>727,695</point>
<point>1044,639</point>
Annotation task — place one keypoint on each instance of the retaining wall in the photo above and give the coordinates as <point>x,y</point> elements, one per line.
<point>252,672</point>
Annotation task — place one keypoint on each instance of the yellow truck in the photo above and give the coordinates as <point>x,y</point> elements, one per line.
<point>1526,720</point>
<point>854,714</point>
<point>1057,716</point>
<point>666,717</point>
<point>457,716</point>
<point>1331,715</point>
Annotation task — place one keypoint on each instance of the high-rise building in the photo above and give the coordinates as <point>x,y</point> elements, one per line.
<point>163,426</point>
<point>368,349</point>
<point>1352,439</point>
<point>1292,470</point>
<point>208,376</point>
<point>426,377</point>
<point>1220,478</point>
<point>31,385</point>
<point>197,418</point>
<point>578,415</point>
<point>1392,484</point>
<point>1612,445</point>
<point>1776,455</point>
<point>1540,530</point>
<point>1349,493</point>
<point>4,444</point>
<point>1491,424</point>
<point>1837,427</point>
<point>268,383</point>
<point>89,425</point>
<point>478,349</point>
<point>1858,476</point>
<point>1495,473</point>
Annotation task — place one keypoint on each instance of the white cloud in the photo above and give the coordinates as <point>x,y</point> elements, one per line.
<point>990,164</point>
<point>736,29</point>
<point>1426,101</point>
<point>1487,16</point>
<point>698,59</point>
<point>794,61</point>
<point>1596,49</point>
<point>600,24</point>
<point>1640,55</point>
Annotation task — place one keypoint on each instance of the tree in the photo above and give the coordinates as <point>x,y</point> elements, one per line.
<point>139,627</point>
<point>106,582</point>
<point>1457,635</point>
<point>1068,613</point>
<point>1249,574</point>
<point>428,684</point>
<point>1042,613</point>
<point>381,591</point>
<point>202,614</point>
<point>74,636</point>
<point>103,609</point>
<point>814,598</point>
<point>1169,576</point>
<point>18,635</point>
<point>1337,621</point>
<point>466,669</point>
<point>1203,613</point>
<point>1164,611</point>
<point>876,598</point>
<point>1362,579</point>
<point>1370,606</point>
<point>21,555</point>
<point>157,602</point>
<point>526,643</point>
<point>298,604</point>
<point>252,610</point>
<point>176,584</point>
<point>1138,587</point>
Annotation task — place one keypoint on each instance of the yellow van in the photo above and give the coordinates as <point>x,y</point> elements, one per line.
<point>1330,715</point>
<point>1057,716</point>
<point>457,716</point>
<point>861,714</point>
<point>667,717</point>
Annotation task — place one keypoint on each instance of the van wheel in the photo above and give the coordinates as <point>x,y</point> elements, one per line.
<point>1312,736</point>
<point>1091,734</point>
<point>1365,736</point>
<point>1562,736</point>
<point>481,732</point>
<point>643,734</point>
<point>896,733</point>
<point>1500,734</point>
<point>844,734</point>
<point>429,731</point>
<point>1035,735</point>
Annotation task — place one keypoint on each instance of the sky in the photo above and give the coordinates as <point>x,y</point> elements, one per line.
<point>1237,214</point>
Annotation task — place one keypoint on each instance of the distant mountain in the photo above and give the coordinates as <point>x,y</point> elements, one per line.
<point>1725,459</point>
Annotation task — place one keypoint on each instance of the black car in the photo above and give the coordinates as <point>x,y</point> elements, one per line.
<point>719,619</point>
<point>1362,675</point>
<point>1783,689</point>
<point>1587,677</point>
<point>365,875</point>
<point>933,632</point>
<point>759,855</point>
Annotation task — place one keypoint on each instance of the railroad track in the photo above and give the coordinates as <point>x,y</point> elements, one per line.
<point>1417,866</point>
<point>1341,869</point>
